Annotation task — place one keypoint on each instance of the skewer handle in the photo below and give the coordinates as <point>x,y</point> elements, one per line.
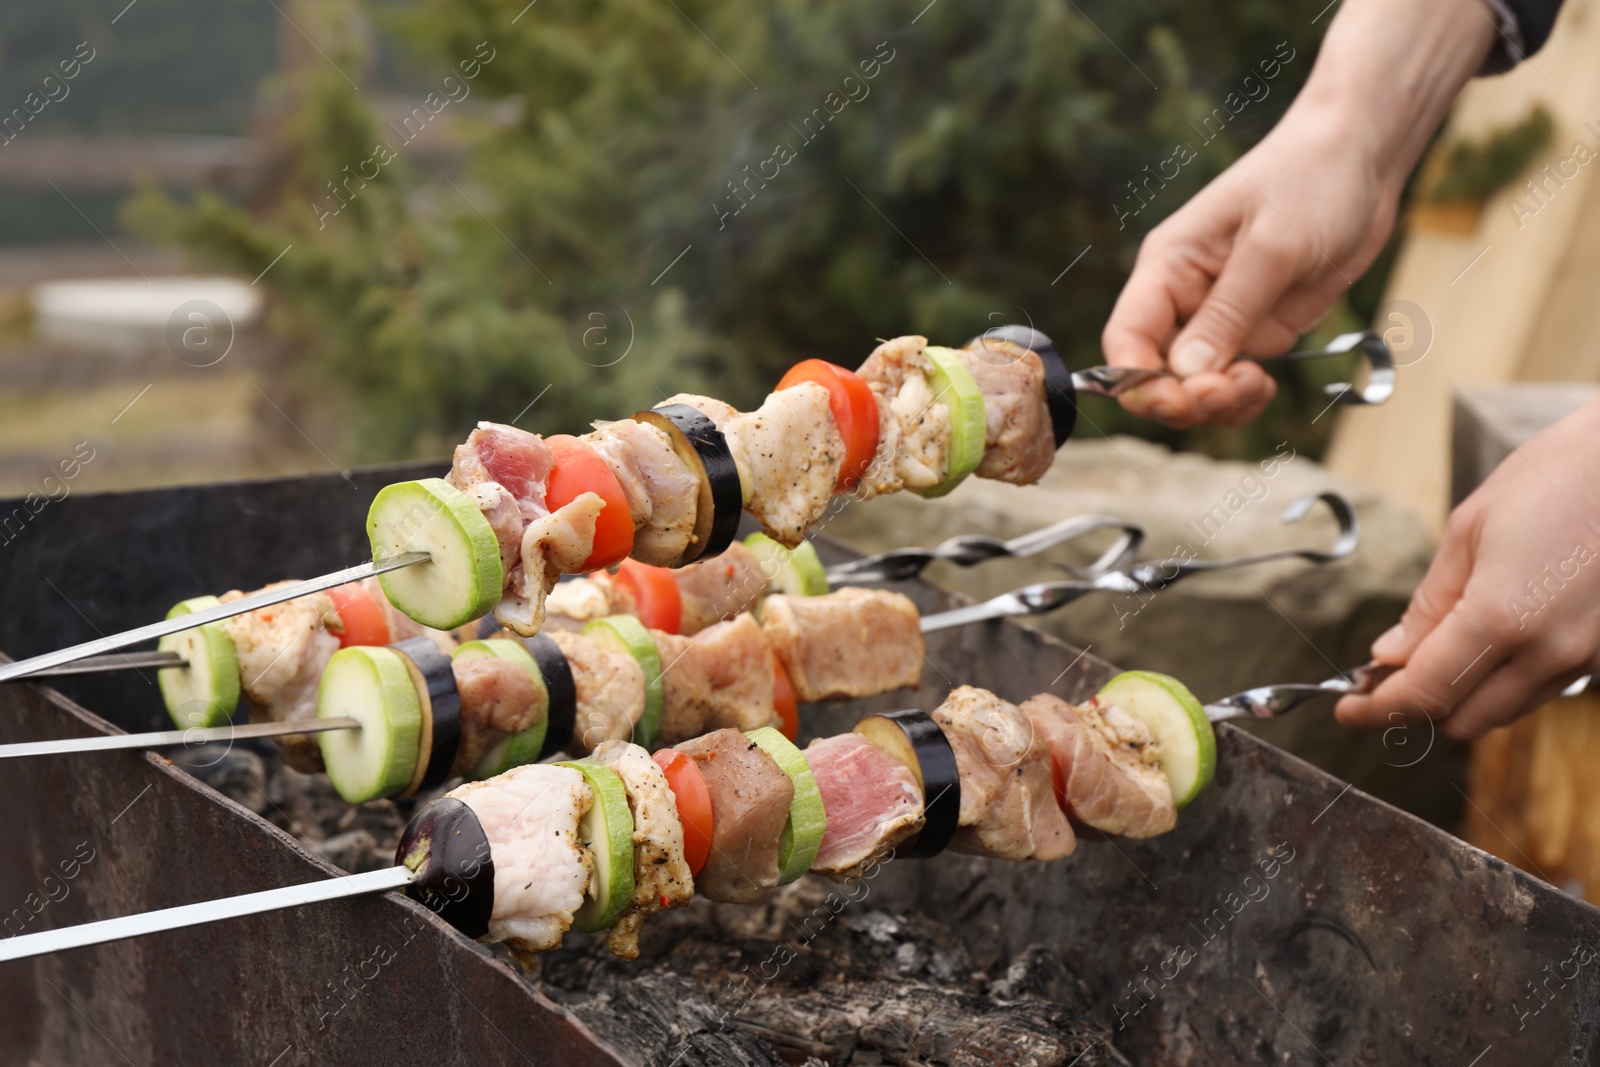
<point>155,630</point>
<point>210,911</point>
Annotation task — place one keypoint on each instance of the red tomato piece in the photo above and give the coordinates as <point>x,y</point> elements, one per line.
<point>688,787</point>
<point>784,700</point>
<point>580,469</point>
<point>364,620</point>
<point>657,601</point>
<point>855,413</point>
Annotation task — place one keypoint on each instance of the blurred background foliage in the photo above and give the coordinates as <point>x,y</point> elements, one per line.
<point>588,215</point>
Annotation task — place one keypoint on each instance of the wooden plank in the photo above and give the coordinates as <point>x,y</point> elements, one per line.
<point>1534,797</point>
<point>1512,300</point>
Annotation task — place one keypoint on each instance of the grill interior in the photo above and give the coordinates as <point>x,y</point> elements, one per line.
<point>1284,919</point>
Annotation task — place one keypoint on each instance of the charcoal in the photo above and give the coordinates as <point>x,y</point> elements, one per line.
<point>236,773</point>
<point>869,987</point>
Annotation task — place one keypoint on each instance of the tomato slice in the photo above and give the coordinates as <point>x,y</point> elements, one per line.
<point>855,413</point>
<point>784,699</point>
<point>694,805</point>
<point>657,601</point>
<point>365,621</point>
<point>580,469</point>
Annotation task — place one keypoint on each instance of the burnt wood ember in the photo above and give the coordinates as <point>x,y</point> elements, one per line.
<point>1287,918</point>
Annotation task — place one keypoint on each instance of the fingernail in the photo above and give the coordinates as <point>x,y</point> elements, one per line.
<point>1192,357</point>
<point>1390,642</point>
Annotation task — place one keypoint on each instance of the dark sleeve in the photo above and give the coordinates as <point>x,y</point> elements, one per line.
<point>1533,20</point>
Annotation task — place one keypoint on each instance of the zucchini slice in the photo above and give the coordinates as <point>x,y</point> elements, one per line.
<point>206,692</point>
<point>629,634</point>
<point>606,830</point>
<point>808,821</point>
<point>703,448</point>
<point>954,386</point>
<point>911,736</point>
<point>519,748</point>
<point>1188,743</point>
<point>372,685</point>
<point>463,579</point>
<point>795,571</point>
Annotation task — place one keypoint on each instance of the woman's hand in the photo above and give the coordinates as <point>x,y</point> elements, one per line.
<point>1509,613</point>
<point>1247,266</point>
<point>1260,255</point>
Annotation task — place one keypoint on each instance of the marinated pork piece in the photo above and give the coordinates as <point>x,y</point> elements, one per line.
<point>686,689</point>
<point>530,816</point>
<point>845,644</point>
<point>1109,764</point>
<point>788,452</point>
<point>282,651</point>
<point>1008,802</point>
<point>721,677</point>
<point>498,698</point>
<point>661,877</point>
<point>497,464</point>
<point>718,411</point>
<point>552,545</point>
<point>913,424</point>
<point>1018,444</point>
<point>505,519</point>
<point>719,588</point>
<point>610,686</point>
<point>871,800</point>
<point>750,798</point>
<point>662,491</point>
<point>581,599</point>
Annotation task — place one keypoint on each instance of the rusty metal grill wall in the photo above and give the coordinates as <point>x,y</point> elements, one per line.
<point>1382,940</point>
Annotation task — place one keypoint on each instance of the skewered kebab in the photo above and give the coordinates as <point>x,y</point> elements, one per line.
<point>683,600</point>
<point>815,646</point>
<point>990,408</point>
<point>666,485</point>
<point>601,843</point>
<point>452,554</point>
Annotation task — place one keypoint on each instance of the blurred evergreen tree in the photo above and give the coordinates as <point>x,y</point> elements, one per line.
<point>949,191</point>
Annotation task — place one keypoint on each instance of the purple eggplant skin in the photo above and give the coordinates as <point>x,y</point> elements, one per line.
<point>940,778</point>
<point>444,704</point>
<point>446,848</point>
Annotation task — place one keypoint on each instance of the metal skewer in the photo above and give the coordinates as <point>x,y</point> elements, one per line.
<point>966,550</point>
<point>1151,576</point>
<point>210,911</point>
<point>1271,701</point>
<point>265,598</point>
<point>163,738</point>
<point>1114,381</point>
<point>118,661</point>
